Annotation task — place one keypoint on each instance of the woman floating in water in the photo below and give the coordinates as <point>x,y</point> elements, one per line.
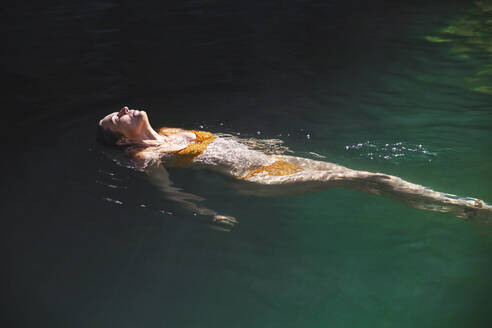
<point>256,172</point>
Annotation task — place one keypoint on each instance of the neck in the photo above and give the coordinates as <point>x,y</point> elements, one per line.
<point>148,135</point>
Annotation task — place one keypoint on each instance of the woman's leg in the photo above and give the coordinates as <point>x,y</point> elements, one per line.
<point>317,175</point>
<point>420,197</point>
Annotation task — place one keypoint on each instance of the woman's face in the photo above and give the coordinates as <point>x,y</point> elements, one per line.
<point>128,122</point>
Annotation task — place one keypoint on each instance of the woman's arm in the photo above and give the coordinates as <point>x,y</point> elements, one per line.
<point>159,176</point>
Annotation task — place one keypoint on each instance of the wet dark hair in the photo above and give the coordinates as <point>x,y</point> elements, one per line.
<point>107,137</point>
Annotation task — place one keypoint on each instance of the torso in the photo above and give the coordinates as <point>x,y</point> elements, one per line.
<point>205,150</point>
<point>196,149</point>
<point>231,157</point>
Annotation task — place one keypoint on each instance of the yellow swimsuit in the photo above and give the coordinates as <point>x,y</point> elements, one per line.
<point>188,155</point>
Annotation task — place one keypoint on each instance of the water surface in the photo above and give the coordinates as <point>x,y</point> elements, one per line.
<point>394,88</point>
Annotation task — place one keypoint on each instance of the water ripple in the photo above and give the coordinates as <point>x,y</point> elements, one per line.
<point>391,151</point>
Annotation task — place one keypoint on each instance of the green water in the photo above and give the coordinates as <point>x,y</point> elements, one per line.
<point>394,92</point>
<point>337,258</point>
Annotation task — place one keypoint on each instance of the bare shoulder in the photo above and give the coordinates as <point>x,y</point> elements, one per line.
<point>141,159</point>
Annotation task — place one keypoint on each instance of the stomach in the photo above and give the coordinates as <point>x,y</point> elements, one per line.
<point>231,157</point>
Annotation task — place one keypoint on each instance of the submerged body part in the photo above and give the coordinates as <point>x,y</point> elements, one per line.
<point>258,173</point>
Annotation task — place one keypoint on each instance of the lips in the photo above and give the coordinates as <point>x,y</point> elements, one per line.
<point>130,112</point>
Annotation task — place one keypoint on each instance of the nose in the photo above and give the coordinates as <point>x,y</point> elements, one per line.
<point>123,111</point>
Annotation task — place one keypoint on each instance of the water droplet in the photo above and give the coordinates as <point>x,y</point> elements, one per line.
<point>113,200</point>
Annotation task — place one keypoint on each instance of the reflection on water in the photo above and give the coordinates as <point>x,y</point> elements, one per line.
<point>396,152</point>
<point>470,37</point>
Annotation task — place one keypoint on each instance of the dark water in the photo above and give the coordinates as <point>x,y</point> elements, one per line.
<point>397,88</point>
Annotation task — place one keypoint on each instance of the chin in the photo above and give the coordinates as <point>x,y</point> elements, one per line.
<point>140,113</point>
<point>143,116</point>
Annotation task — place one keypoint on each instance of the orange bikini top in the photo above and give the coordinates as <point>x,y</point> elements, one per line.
<point>183,156</point>
<point>187,155</point>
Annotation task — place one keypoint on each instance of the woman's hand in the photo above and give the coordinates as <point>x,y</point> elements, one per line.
<point>224,219</point>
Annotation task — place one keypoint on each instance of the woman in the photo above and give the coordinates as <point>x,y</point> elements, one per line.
<point>256,172</point>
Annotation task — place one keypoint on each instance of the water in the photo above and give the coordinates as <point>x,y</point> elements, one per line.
<point>88,243</point>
